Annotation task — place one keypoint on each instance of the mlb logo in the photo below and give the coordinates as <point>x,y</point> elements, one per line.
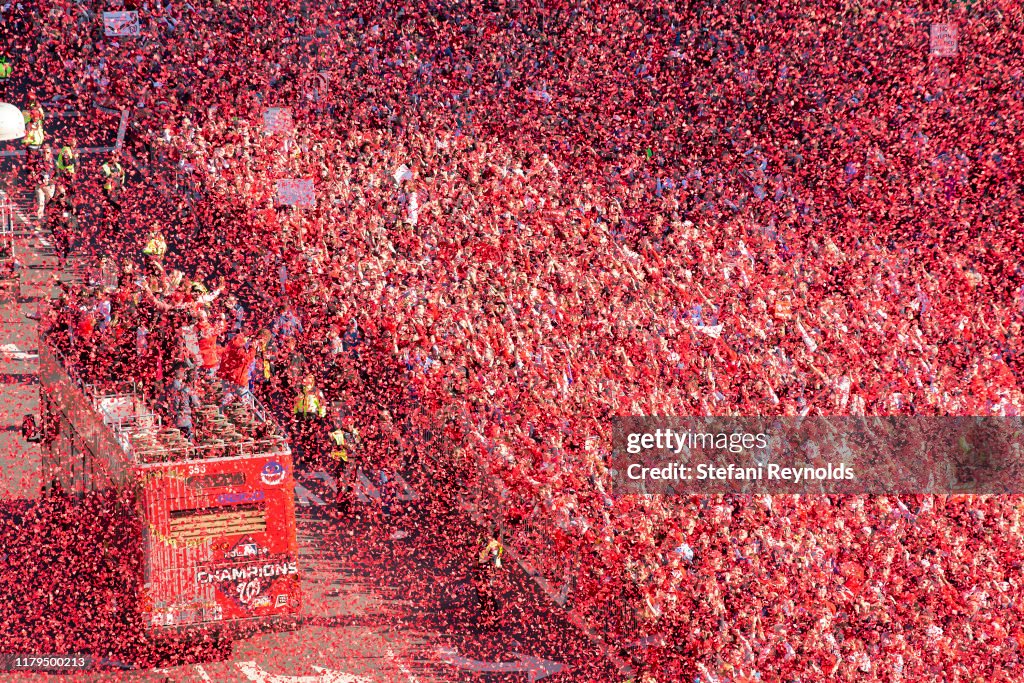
<point>246,547</point>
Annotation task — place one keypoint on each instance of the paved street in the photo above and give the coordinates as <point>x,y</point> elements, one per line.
<point>19,395</point>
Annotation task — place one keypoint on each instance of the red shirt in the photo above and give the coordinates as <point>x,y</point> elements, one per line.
<point>236,361</point>
<point>208,345</point>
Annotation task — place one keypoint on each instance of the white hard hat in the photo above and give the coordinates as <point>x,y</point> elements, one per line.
<point>12,122</point>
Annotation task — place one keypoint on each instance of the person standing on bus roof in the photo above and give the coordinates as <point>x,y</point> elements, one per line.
<point>181,399</point>
<point>236,362</point>
<point>263,372</point>
<point>209,353</point>
<point>234,316</point>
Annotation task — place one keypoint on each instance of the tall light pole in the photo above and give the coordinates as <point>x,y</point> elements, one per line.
<point>12,122</point>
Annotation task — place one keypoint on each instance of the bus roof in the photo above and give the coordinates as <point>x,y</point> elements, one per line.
<point>243,430</point>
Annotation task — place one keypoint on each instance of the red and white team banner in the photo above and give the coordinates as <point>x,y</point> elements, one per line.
<point>944,40</point>
<point>316,86</point>
<point>118,24</point>
<point>278,120</point>
<point>219,543</point>
<point>296,192</point>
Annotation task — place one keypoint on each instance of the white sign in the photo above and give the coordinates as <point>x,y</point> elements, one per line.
<point>278,120</point>
<point>121,23</point>
<point>540,94</point>
<point>940,73</point>
<point>402,173</point>
<point>296,192</point>
<point>945,39</point>
<point>714,331</point>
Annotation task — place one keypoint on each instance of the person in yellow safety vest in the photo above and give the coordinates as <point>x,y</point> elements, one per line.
<point>67,159</point>
<point>492,553</point>
<point>156,247</point>
<point>486,580</point>
<point>308,410</point>
<point>5,69</point>
<point>113,178</point>
<point>34,120</point>
<point>341,442</point>
<point>310,403</point>
<point>264,352</point>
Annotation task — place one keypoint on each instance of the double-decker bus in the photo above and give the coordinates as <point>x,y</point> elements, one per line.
<point>217,511</point>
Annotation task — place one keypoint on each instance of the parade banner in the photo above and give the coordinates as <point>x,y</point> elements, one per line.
<point>120,24</point>
<point>315,87</point>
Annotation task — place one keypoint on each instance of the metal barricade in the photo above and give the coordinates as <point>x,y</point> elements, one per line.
<point>8,262</point>
<point>6,216</point>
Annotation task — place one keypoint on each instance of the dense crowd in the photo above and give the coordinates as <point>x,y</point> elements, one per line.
<point>531,217</point>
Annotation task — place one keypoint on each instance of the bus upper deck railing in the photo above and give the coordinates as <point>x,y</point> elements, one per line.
<point>189,452</point>
<point>243,429</point>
